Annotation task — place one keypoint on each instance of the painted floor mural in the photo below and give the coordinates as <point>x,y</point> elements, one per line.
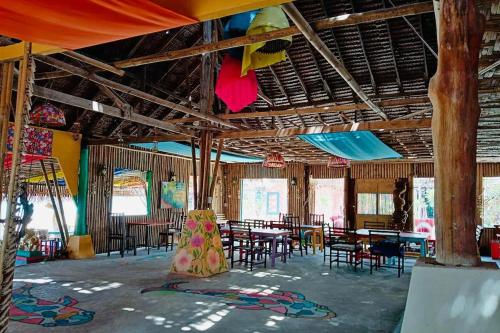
<point>288,303</point>
<point>29,309</point>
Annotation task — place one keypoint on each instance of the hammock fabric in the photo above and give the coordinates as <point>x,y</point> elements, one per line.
<point>74,24</point>
<point>358,145</point>
<point>236,91</point>
<point>263,54</point>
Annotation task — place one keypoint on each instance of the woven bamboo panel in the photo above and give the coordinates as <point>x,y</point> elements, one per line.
<point>321,171</point>
<point>99,195</point>
<point>381,170</point>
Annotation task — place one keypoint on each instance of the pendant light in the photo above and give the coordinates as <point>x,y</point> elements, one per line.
<point>338,162</point>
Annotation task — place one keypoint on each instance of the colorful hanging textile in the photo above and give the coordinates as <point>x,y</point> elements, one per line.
<point>26,159</point>
<point>235,90</point>
<point>358,145</point>
<point>80,23</point>
<point>237,26</point>
<point>37,141</point>
<point>200,251</point>
<point>264,54</point>
<point>47,114</point>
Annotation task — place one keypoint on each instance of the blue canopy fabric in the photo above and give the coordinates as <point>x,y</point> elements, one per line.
<point>185,150</point>
<point>357,145</point>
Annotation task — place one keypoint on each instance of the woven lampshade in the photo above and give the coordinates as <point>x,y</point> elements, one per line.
<point>47,115</point>
<point>274,160</point>
<point>338,162</point>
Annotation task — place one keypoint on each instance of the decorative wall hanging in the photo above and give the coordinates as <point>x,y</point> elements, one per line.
<point>173,195</point>
<point>338,162</point>
<point>274,160</point>
<point>264,54</point>
<point>235,90</point>
<point>37,141</point>
<point>200,252</point>
<point>287,303</point>
<point>47,115</point>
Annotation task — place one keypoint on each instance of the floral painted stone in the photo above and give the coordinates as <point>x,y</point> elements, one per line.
<point>200,251</point>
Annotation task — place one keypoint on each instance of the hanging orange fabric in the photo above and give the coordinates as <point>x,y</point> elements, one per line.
<point>80,23</point>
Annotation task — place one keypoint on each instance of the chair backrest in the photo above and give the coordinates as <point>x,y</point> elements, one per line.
<point>292,223</point>
<point>342,235</point>
<point>375,236</point>
<point>388,243</point>
<point>316,219</point>
<point>238,229</point>
<point>374,225</point>
<point>116,224</point>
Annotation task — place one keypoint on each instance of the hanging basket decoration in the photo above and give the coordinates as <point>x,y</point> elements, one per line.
<point>47,115</point>
<point>263,54</point>
<point>338,162</point>
<point>274,160</point>
<point>237,26</point>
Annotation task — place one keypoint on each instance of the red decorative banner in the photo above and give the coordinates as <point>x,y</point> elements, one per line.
<point>37,141</point>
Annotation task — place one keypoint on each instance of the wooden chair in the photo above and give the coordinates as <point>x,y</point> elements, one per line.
<point>386,244</point>
<point>346,244</point>
<point>168,232</point>
<point>238,238</point>
<point>292,223</point>
<point>316,219</point>
<point>374,225</point>
<point>118,231</point>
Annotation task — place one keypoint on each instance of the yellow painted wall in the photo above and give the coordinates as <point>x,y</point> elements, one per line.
<point>67,151</point>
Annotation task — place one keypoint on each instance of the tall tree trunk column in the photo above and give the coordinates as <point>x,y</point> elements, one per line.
<point>454,94</point>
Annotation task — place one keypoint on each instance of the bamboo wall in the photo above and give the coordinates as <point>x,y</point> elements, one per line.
<point>380,172</point>
<point>100,187</point>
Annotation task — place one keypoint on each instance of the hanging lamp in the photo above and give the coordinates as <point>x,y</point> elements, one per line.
<point>338,162</point>
<point>274,160</point>
<point>47,114</point>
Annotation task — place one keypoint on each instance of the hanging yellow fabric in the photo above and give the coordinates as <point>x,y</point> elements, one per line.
<point>268,19</point>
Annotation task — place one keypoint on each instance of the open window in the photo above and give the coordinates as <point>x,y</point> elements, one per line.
<point>263,198</point>
<point>131,192</point>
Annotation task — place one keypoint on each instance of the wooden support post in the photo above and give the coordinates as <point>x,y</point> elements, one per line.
<point>59,200</point>
<point>53,201</point>
<point>216,169</point>
<point>195,176</point>
<point>454,95</point>
<point>5,106</point>
<point>9,244</point>
<point>206,105</point>
<point>307,197</point>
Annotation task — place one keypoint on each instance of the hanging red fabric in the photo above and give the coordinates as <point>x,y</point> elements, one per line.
<point>79,23</point>
<point>235,90</point>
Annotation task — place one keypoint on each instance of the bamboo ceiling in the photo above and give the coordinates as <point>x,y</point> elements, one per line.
<point>386,57</point>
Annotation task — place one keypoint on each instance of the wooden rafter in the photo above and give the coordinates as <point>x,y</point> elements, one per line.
<point>129,90</point>
<point>363,126</point>
<point>340,21</point>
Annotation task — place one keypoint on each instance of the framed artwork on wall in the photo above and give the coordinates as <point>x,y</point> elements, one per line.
<point>173,195</point>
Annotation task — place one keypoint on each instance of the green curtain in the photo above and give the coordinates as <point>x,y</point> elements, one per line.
<point>81,200</point>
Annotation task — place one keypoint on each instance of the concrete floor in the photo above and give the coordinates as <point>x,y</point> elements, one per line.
<point>111,288</point>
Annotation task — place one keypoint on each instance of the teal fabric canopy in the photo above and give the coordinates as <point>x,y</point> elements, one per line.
<point>185,150</point>
<point>357,145</point>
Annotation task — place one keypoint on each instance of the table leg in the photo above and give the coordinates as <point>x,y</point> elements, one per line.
<point>313,235</point>
<point>285,248</point>
<point>147,238</point>
<point>423,248</point>
<point>321,239</point>
<point>273,252</point>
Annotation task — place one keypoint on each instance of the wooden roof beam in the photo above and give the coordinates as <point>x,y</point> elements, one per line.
<point>363,126</point>
<point>321,47</point>
<point>95,63</point>
<point>338,21</point>
<point>313,110</point>
<point>129,90</point>
<point>112,111</point>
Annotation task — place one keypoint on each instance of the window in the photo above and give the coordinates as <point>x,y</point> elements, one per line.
<point>367,203</point>
<point>491,201</point>
<point>191,193</point>
<point>385,204</point>
<point>423,206</point>
<point>263,198</point>
<point>327,198</point>
<point>131,192</point>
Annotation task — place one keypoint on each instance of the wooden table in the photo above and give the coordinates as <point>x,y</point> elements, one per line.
<point>148,226</point>
<point>417,237</point>
<point>317,231</point>
<point>274,233</point>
